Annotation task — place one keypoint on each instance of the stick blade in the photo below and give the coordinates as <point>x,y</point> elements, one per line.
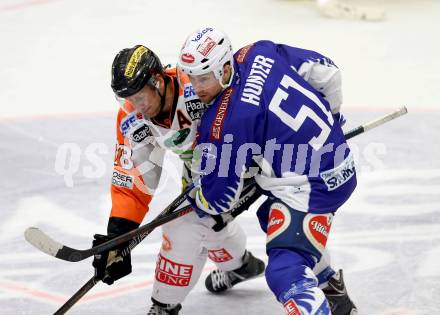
<point>48,245</point>
<point>403,110</point>
<point>42,241</point>
<point>399,112</point>
<point>386,118</point>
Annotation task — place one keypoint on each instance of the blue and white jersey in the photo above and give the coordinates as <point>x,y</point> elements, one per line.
<point>273,124</point>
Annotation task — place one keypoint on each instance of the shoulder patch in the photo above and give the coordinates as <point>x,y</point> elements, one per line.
<point>129,121</point>
<point>220,116</point>
<point>242,53</point>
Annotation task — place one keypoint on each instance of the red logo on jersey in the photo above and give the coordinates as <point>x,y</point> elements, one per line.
<point>279,220</point>
<point>320,227</point>
<point>219,255</point>
<point>187,58</point>
<point>276,221</point>
<point>291,308</point>
<point>221,114</point>
<point>317,227</point>
<point>206,47</point>
<point>242,53</point>
<point>172,273</point>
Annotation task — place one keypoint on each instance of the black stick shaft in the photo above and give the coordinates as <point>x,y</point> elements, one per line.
<point>167,215</point>
<point>77,296</point>
<point>354,132</point>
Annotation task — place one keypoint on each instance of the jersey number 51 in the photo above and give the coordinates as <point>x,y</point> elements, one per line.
<point>304,112</point>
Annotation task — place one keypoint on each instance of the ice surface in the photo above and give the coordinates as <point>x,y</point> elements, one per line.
<point>54,82</point>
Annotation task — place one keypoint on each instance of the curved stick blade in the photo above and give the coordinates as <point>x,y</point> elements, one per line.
<point>42,241</point>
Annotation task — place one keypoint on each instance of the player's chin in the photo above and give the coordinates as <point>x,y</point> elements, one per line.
<point>205,98</point>
<point>150,112</point>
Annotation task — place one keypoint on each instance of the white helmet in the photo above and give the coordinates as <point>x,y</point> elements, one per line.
<point>206,50</point>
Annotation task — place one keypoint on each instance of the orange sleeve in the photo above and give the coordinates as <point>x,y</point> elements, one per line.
<point>130,197</point>
<point>181,77</point>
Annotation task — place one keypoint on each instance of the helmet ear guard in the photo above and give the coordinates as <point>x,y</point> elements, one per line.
<point>221,74</point>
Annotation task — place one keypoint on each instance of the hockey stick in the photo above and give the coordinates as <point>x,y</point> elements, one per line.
<point>46,244</point>
<point>375,123</point>
<point>93,281</point>
<point>166,213</point>
<point>134,242</point>
<point>77,296</point>
<point>51,247</point>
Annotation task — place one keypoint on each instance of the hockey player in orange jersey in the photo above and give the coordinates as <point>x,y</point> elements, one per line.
<point>159,113</point>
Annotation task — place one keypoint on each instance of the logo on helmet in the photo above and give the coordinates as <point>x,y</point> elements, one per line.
<point>206,46</point>
<point>200,34</point>
<point>187,58</point>
<point>134,60</point>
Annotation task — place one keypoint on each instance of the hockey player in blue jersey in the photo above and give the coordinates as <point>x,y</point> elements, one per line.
<point>273,115</point>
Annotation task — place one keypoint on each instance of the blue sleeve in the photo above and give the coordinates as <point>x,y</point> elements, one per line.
<point>293,56</point>
<point>226,156</point>
<point>298,56</point>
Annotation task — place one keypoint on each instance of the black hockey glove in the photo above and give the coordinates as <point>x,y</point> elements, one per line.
<point>248,196</point>
<point>111,265</point>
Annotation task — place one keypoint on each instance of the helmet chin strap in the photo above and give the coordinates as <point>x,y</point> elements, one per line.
<point>224,86</point>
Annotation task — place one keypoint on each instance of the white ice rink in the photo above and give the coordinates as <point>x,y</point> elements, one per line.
<point>55,62</point>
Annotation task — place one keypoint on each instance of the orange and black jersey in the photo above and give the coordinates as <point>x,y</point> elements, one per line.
<point>141,146</point>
